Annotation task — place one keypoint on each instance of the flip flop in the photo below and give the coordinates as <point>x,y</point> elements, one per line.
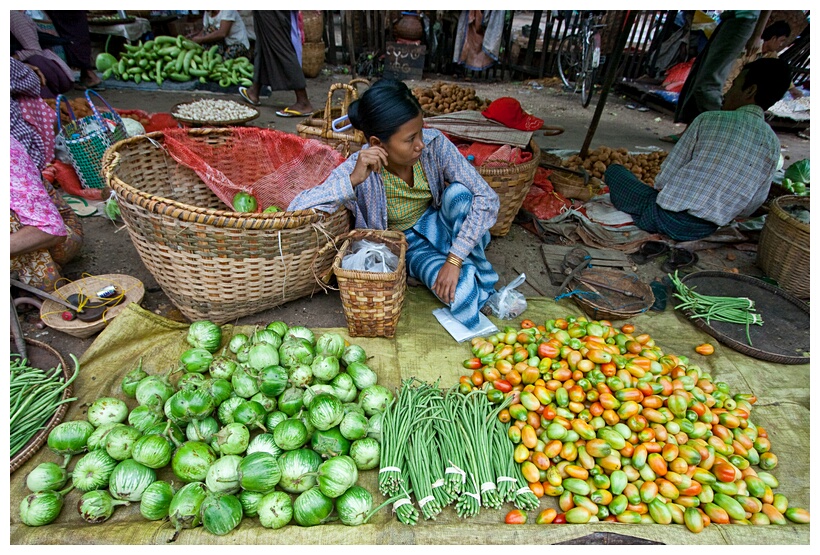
<point>678,259</point>
<point>243,92</point>
<point>670,139</point>
<point>291,113</point>
<point>649,250</point>
<point>80,206</point>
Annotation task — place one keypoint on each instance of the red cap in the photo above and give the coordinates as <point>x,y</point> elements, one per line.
<point>508,111</point>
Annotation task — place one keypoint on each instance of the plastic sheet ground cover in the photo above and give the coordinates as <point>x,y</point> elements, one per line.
<point>422,348</point>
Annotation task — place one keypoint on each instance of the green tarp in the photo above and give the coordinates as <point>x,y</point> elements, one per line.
<point>422,348</point>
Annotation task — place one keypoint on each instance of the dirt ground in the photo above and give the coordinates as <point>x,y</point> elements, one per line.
<point>108,247</point>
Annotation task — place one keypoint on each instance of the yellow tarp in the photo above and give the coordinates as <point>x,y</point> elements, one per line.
<point>422,348</point>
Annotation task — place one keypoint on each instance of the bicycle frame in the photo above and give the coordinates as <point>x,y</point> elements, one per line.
<point>579,56</point>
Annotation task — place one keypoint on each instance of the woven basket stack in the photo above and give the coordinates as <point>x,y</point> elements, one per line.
<point>313,49</point>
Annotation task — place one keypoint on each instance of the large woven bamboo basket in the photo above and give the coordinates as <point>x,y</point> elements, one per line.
<point>320,124</point>
<point>313,58</point>
<point>313,22</point>
<point>784,249</point>
<point>372,301</point>
<point>212,263</point>
<point>511,184</point>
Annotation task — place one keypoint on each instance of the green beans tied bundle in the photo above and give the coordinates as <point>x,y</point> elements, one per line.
<point>735,310</point>
<point>445,447</point>
<point>35,396</point>
<point>175,58</point>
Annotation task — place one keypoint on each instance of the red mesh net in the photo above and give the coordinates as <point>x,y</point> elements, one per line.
<point>493,155</point>
<point>271,165</point>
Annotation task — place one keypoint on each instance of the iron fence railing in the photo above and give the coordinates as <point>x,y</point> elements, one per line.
<point>350,35</point>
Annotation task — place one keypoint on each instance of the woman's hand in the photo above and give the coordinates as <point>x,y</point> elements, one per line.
<point>371,159</point>
<point>446,281</point>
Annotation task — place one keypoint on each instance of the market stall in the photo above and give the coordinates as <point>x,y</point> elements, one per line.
<point>422,351</point>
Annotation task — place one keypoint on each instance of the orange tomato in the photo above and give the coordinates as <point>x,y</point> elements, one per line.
<point>527,324</point>
<point>705,349</point>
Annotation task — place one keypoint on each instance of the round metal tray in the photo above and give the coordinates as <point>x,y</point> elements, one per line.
<point>212,123</point>
<point>784,336</point>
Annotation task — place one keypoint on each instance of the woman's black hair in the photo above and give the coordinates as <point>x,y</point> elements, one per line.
<point>383,108</point>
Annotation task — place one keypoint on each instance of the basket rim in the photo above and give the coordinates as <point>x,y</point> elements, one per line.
<point>777,207</point>
<point>36,442</point>
<point>390,235</point>
<point>212,216</point>
<point>211,122</point>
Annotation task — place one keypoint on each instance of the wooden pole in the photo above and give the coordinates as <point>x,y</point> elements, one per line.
<point>612,68</point>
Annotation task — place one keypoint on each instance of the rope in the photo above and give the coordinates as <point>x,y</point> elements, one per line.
<point>85,297</point>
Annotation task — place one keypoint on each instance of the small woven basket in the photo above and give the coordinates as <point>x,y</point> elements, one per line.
<point>214,264</point>
<point>50,311</point>
<point>625,295</point>
<point>511,184</point>
<point>784,249</point>
<point>572,186</point>
<point>372,301</point>
<point>41,355</point>
<point>313,58</point>
<point>320,124</point>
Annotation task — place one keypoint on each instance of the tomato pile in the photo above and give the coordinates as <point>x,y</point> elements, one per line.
<point>620,431</point>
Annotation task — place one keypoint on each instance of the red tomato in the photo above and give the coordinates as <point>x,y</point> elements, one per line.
<point>560,518</point>
<point>516,516</point>
<point>547,350</point>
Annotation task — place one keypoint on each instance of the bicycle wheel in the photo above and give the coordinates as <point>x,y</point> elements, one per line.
<point>569,59</point>
<point>588,79</point>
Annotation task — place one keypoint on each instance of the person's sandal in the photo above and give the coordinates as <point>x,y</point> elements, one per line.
<point>649,250</point>
<point>678,259</point>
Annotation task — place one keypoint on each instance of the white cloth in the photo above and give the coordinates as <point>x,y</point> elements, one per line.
<point>129,31</point>
<point>238,33</point>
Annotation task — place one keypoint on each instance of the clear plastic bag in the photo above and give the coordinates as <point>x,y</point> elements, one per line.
<point>368,256</point>
<point>508,303</point>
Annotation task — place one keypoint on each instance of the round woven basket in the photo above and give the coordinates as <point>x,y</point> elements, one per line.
<point>313,22</point>
<point>624,296</point>
<point>511,184</point>
<point>50,311</point>
<point>572,186</point>
<point>784,249</point>
<point>372,301</point>
<point>45,357</point>
<point>212,263</point>
<point>313,58</point>
<point>212,123</point>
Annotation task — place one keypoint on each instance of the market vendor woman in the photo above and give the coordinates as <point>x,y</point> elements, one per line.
<point>415,180</point>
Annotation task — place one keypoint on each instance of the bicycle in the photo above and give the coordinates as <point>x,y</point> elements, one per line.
<point>579,56</point>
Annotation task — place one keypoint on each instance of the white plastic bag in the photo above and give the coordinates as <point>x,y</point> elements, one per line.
<point>508,303</point>
<point>367,256</point>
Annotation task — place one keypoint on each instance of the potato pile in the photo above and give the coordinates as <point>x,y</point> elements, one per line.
<point>79,106</point>
<point>444,98</point>
<point>644,166</point>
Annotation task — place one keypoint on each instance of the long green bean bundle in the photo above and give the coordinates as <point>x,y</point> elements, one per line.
<point>735,310</point>
<point>35,396</point>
